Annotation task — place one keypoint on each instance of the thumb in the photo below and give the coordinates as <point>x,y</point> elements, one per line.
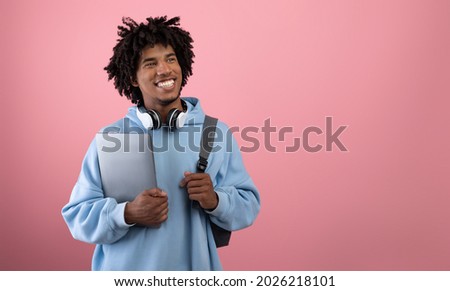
<point>183,181</point>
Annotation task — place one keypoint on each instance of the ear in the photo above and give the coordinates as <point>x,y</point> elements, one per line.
<point>134,82</point>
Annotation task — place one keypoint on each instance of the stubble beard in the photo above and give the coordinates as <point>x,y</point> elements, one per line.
<point>167,102</point>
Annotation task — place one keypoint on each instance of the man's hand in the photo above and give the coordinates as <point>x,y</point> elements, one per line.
<point>200,188</point>
<point>149,208</point>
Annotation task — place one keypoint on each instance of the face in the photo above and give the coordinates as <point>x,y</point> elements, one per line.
<point>158,76</point>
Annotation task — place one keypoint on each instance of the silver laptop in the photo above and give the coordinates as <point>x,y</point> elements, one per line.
<point>126,164</point>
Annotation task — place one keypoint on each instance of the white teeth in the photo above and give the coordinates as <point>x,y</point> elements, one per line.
<point>166,84</point>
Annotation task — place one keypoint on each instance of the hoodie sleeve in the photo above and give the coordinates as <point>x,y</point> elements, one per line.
<point>90,216</point>
<point>239,200</point>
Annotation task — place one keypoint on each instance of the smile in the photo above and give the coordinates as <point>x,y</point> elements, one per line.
<point>166,84</point>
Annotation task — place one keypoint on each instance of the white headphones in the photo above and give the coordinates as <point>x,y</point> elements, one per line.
<point>151,119</point>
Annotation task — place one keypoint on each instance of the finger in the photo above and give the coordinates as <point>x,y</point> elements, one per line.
<point>161,211</point>
<point>165,212</point>
<point>163,218</point>
<point>163,215</point>
<point>198,190</point>
<point>196,183</point>
<point>187,177</point>
<point>204,185</point>
<point>162,207</point>
<point>156,192</point>
<point>194,177</point>
<point>184,181</point>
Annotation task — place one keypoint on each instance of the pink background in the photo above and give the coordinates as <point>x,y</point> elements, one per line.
<point>380,67</point>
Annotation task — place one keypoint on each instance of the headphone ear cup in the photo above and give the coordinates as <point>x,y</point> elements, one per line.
<point>156,119</point>
<point>181,119</point>
<point>144,117</point>
<point>172,117</point>
<point>176,118</point>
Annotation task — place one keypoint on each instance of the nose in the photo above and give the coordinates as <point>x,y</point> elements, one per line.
<point>163,69</point>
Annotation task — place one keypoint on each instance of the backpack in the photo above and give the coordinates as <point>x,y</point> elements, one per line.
<point>221,236</point>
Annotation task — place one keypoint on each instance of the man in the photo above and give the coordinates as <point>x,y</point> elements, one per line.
<point>169,227</point>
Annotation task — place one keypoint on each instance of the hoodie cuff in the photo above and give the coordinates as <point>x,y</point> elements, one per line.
<point>222,205</point>
<point>117,217</point>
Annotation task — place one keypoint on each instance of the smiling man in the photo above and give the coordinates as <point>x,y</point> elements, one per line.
<point>168,227</point>
<point>159,78</point>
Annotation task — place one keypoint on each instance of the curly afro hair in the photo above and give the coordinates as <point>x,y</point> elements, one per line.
<point>136,37</point>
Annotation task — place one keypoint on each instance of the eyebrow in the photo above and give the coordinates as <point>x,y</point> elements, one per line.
<point>154,59</point>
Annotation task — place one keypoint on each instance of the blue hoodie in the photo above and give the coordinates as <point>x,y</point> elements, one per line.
<point>185,240</point>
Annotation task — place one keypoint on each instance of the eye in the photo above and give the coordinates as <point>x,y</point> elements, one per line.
<point>150,65</point>
<point>171,60</point>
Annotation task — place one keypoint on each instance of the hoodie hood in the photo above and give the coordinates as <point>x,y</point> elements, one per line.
<point>195,114</point>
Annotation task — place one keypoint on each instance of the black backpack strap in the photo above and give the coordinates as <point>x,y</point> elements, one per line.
<point>221,236</point>
<point>207,141</point>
